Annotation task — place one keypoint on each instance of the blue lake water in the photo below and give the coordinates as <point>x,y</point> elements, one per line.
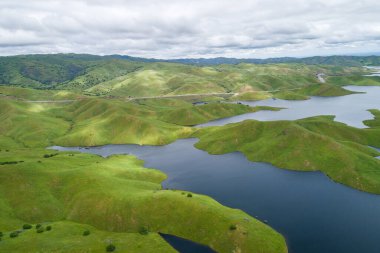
<point>376,71</point>
<point>351,109</point>
<point>315,214</point>
<point>186,246</point>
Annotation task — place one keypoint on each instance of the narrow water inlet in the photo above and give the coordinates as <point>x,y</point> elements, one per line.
<point>184,245</point>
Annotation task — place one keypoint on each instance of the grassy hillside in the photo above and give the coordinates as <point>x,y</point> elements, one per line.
<point>86,122</point>
<point>194,115</point>
<point>318,143</point>
<point>321,90</point>
<point>67,236</point>
<point>90,122</point>
<point>354,80</point>
<point>115,76</point>
<point>43,71</point>
<point>34,94</point>
<point>116,198</point>
<point>374,123</point>
<point>112,195</point>
<point>324,90</point>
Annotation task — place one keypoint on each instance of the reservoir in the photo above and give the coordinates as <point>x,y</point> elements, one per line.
<point>350,109</point>
<point>313,213</point>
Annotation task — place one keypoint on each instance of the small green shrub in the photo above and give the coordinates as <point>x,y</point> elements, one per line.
<point>1,234</point>
<point>233,227</point>
<point>49,155</point>
<point>189,195</point>
<point>38,226</point>
<point>48,228</point>
<point>40,230</point>
<point>86,233</point>
<point>27,226</point>
<point>143,230</point>
<point>110,248</point>
<point>14,234</point>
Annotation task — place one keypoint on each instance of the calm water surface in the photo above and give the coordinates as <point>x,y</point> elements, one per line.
<point>315,214</point>
<point>351,109</point>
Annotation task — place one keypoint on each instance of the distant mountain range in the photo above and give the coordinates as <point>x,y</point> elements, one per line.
<point>118,75</point>
<point>315,60</point>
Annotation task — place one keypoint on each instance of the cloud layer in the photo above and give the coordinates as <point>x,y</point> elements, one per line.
<point>192,28</point>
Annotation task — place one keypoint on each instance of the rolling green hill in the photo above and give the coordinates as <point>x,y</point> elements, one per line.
<point>94,100</point>
<point>318,143</point>
<point>116,198</point>
<point>68,190</point>
<point>94,121</point>
<point>118,77</point>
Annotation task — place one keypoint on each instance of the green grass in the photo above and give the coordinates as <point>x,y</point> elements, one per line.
<point>113,195</point>
<point>72,191</point>
<point>91,122</point>
<point>290,95</point>
<point>66,236</point>
<point>321,90</point>
<point>375,122</point>
<point>251,96</point>
<point>324,90</point>
<point>354,80</point>
<point>311,144</point>
<point>300,93</point>
<point>106,76</point>
<point>193,115</point>
<point>33,94</point>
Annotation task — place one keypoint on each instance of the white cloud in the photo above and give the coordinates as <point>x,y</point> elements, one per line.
<point>193,28</point>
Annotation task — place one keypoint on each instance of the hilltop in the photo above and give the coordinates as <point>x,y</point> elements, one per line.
<point>111,76</point>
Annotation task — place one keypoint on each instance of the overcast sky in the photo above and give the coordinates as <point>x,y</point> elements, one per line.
<point>190,28</point>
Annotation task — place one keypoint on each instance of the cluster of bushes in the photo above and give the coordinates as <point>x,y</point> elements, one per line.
<point>189,195</point>
<point>41,229</point>
<point>11,162</point>
<point>50,155</point>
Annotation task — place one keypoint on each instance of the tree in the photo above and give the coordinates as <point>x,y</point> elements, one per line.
<point>27,226</point>
<point>110,248</point>
<point>143,230</point>
<point>14,234</point>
